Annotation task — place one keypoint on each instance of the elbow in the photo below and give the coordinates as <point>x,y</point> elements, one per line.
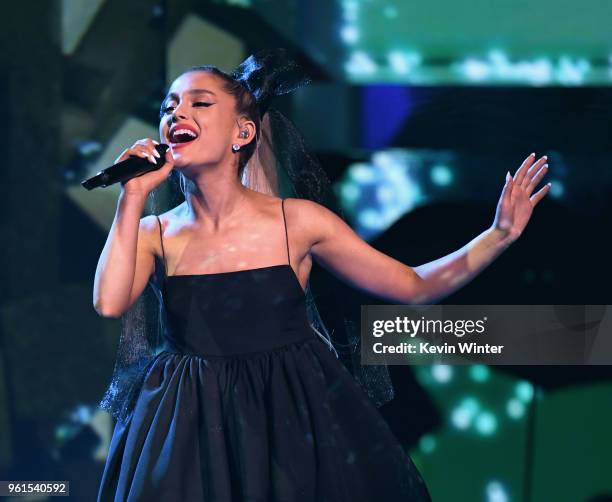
<point>419,293</point>
<point>413,288</point>
<point>106,311</point>
<point>108,305</point>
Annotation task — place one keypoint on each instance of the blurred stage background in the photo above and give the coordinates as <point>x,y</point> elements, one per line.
<point>417,110</point>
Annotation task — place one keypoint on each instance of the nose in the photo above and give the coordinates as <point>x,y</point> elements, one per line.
<point>176,116</point>
<point>178,111</point>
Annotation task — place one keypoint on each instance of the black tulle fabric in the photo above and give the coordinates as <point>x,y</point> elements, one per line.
<point>270,74</point>
<point>282,165</point>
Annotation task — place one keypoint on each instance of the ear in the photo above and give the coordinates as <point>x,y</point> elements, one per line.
<point>247,126</point>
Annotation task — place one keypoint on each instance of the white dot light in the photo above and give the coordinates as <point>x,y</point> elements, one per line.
<point>442,373</point>
<point>360,63</point>
<point>349,34</point>
<point>557,190</point>
<point>369,218</point>
<point>362,173</point>
<point>475,69</point>
<point>461,418</point>
<point>515,408</point>
<point>496,492</point>
<point>350,191</point>
<point>441,175</point>
<point>463,415</point>
<point>524,391</point>
<point>486,423</point>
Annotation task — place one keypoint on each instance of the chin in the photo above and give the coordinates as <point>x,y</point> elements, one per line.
<point>188,166</point>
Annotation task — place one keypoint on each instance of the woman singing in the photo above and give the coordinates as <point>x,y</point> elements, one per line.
<point>244,400</point>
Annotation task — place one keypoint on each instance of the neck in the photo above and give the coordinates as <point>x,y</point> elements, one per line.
<point>214,196</point>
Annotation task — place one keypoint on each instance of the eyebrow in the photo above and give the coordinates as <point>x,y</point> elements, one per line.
<point>175,96</point>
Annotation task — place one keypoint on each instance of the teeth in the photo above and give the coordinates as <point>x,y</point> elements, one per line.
<point>184,131</point>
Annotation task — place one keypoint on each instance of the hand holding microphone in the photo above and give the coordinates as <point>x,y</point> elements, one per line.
<point>140,168</point>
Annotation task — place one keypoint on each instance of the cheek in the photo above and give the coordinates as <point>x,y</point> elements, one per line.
<point>215,136</point>
<point>218,136</point>
<point>218,125</point>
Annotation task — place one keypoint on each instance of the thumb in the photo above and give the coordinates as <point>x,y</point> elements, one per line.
<point>169,161</point>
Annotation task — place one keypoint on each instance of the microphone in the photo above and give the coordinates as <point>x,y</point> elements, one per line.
<point>126,169</point>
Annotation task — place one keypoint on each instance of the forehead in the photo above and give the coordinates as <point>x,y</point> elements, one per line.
<point>196,80</point>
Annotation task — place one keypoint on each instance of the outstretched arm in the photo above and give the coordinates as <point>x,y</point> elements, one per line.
<point>339,249</point>
<point>514,209</point>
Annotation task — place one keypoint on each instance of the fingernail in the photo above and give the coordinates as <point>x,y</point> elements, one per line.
<point>155,142</point>
<point>507,175</point>
<point>156,153</point>
<point>545,157</point>
<point>532,154</point>
<point>152,159</point>
<point>545,166</point>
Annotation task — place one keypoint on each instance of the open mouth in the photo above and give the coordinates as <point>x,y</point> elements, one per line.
<point>182,136</point>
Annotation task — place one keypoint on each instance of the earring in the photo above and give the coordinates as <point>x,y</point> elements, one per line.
<point>235,147</point>
<point>244,134</point>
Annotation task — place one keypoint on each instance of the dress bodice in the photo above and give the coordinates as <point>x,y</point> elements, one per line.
<point>232,313</point>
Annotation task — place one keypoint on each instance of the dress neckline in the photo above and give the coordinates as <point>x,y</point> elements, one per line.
<point>281,265</point>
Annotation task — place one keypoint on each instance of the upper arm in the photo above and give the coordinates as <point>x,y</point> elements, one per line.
<point>146,250</point>
<point>337,247</point>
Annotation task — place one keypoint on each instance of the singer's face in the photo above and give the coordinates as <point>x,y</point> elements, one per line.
<point>197,101</point>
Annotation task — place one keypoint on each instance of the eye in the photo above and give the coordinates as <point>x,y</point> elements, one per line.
<point>163,110</point>
<point>197,103</point>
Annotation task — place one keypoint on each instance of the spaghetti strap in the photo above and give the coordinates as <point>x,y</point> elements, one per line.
<point>161,240</point>
<point>286,236</point>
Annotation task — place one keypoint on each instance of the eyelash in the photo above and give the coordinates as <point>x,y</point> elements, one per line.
<point>197,103</point>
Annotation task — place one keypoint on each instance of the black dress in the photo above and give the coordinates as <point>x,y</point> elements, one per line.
<point>248,403</point>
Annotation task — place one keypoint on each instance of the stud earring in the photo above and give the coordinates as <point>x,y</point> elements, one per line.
<point>244,134</point>
<point>235,147</point>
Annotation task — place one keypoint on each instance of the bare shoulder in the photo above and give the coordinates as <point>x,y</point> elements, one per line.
<point>301,208</point>
<point>312,218</point>
<point>149,224</point>
<point>167,224</point>
<point>148,233</point>
<point>168,220</point>
<point>264,203</point>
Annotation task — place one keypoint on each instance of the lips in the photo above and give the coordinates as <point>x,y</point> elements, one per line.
<point>175,146</point>
<point>182,134</point>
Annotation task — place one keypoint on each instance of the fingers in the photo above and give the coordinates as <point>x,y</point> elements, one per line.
<point>146,148</point>
<point>520,173</point>
<point>533,170</point>
<point>144,153</point>
<point>169,161</point>
<point>507,191</point>
<point>536,179</point>
<point>148,143</point>
<point>538,196</point>
<point>504,210</point>
<point>508,187</point>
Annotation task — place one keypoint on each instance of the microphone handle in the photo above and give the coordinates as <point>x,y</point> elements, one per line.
<point>127,169</point>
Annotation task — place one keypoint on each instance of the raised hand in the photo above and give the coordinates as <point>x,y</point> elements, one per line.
<point>516,203</point>
<point>147,182</point>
